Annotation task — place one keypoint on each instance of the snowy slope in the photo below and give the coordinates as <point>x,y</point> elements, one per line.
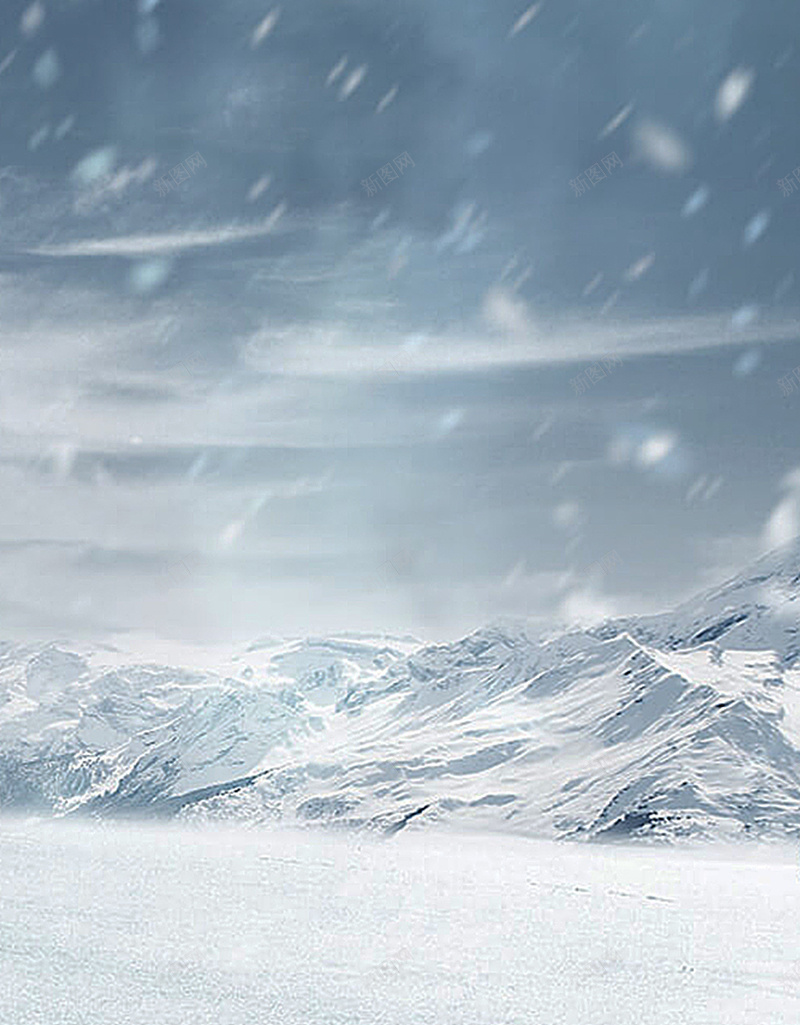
<point>684,724</point>
<point>583,737</point>
<point>757,610</point>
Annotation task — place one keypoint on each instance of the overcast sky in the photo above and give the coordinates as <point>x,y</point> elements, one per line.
<point>398,316</point>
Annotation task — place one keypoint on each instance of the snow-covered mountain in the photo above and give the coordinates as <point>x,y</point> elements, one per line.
<point>683,724</point>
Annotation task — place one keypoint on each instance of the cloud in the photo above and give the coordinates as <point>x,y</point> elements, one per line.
<point>340,349</point>
<point>167,242</point>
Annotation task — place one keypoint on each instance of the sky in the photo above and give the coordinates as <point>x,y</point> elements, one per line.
<point>401,317</point>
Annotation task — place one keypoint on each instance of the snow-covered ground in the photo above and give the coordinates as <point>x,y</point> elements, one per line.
<point>112,924</point>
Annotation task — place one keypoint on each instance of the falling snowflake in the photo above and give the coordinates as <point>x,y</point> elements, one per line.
<point>695,203</point>
<point>655,448</point>
<point>525,18</point>
<point>32,18</point>
<point>733,92</point>
<point>617,120</point>
<point>352,82</point>
<point>662,147</point>
<point>264,27</point>
<point>47,69</point>
<point>756,227</point>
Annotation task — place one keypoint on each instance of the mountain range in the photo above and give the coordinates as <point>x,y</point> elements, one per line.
<point>679,725</point>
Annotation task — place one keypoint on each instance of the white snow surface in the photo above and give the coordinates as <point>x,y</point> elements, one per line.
<point>130,923</point>
<point>682,725</point>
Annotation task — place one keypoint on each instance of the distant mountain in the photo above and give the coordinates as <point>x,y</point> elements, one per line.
<point>685,724</point>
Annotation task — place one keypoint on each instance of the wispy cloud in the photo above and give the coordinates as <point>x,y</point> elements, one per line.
<point>167,242</point>
<point>336,350</point>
